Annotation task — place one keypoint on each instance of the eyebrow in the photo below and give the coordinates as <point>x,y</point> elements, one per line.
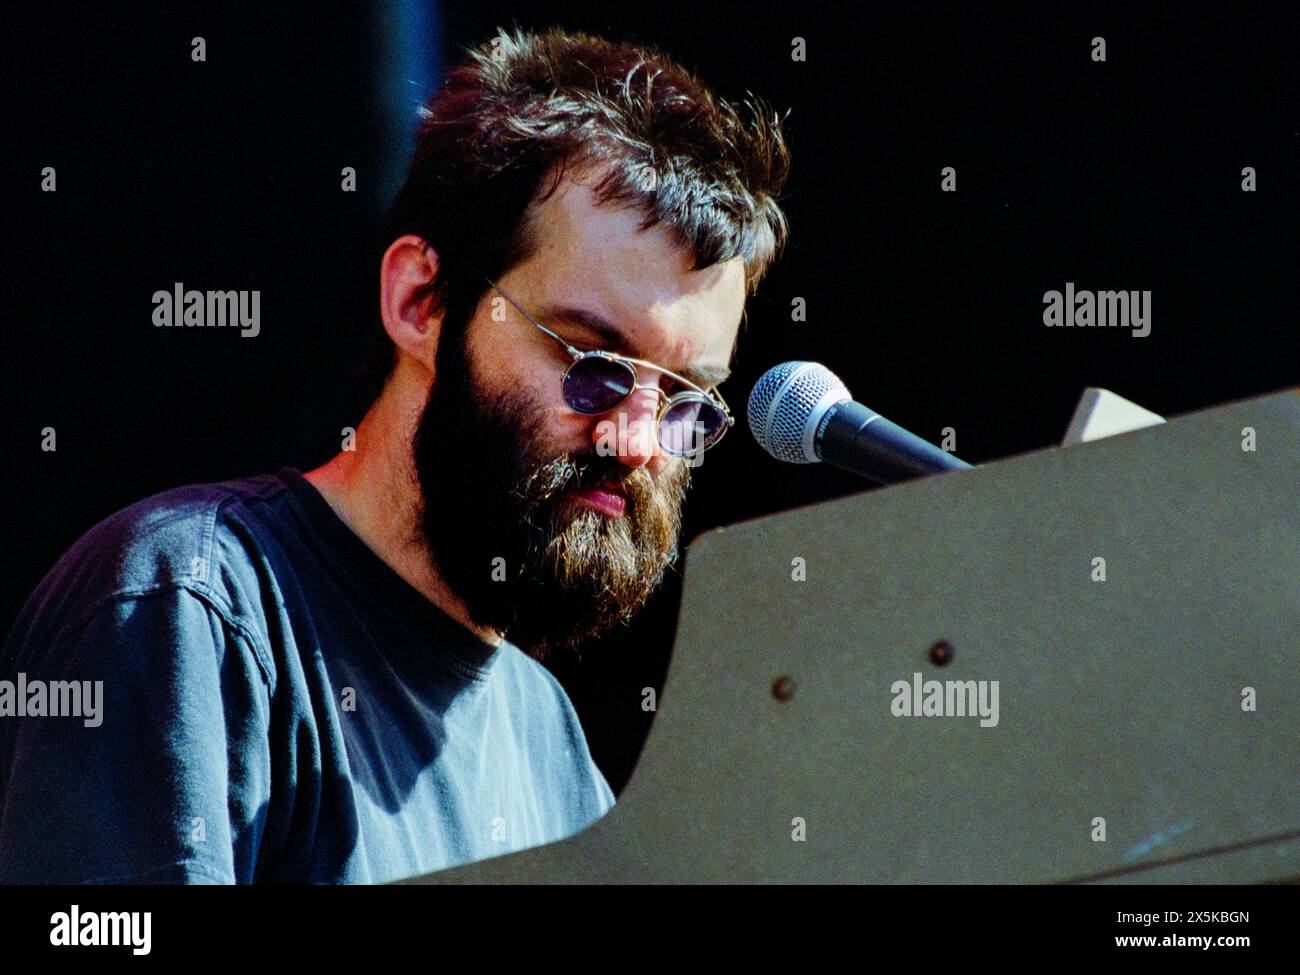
<point>614,341</point>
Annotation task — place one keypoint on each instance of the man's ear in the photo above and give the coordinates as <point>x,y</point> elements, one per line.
<point>409,265</point>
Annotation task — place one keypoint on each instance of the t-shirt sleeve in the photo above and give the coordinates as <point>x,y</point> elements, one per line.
<point>164,777</point>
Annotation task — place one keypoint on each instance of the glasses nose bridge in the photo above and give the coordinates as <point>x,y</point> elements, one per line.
<point>656,412</point>
<point>659,393</point>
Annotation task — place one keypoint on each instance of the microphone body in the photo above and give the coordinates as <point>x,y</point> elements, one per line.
<point>801,413</point>
<point>860,440</point>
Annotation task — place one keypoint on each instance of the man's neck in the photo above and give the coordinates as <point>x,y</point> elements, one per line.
<point>375,492</point>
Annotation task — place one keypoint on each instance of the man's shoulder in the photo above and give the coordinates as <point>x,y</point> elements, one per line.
<point>558,723</point>
<point>557,739</point>
<point>536,698</point>
<point>198,537</point>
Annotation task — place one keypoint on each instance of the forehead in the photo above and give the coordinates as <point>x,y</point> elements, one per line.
<point>598,260</point>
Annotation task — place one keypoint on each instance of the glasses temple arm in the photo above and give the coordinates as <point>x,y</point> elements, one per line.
<point>576,353</point>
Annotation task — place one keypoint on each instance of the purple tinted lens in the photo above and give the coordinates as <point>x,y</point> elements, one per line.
<point>690,426</point>
<point>597,385</point>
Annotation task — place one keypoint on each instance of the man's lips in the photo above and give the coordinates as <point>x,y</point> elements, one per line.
<point>607,499</point>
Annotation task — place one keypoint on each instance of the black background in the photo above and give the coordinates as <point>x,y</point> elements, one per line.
<point>225,175</point>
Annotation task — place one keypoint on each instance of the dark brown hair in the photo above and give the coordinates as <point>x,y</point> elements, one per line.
<point>524,107</point>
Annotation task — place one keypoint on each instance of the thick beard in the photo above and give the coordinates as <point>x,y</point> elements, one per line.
<point>504,531</point>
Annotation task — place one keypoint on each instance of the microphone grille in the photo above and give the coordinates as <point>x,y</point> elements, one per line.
<point>786,406</point>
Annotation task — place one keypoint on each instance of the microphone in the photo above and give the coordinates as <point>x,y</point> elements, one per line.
<point>801,413</point>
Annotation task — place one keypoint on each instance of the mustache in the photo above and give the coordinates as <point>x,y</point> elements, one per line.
<point>567,473</point>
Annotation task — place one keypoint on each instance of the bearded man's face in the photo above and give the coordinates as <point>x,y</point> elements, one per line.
<point>501,459</point>
<point>507,533</point>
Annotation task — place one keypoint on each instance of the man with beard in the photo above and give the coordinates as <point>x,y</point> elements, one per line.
<point>336,677</point>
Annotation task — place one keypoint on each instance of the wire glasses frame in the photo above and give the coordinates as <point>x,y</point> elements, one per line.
<point>590,363</point>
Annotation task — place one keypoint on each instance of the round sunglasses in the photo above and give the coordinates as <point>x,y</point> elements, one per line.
<point>687,423</point>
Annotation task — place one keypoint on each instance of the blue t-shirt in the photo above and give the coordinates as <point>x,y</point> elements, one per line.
<point>277,705</point>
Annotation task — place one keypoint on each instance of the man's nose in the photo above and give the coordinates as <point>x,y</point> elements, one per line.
<point>633,422</point>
